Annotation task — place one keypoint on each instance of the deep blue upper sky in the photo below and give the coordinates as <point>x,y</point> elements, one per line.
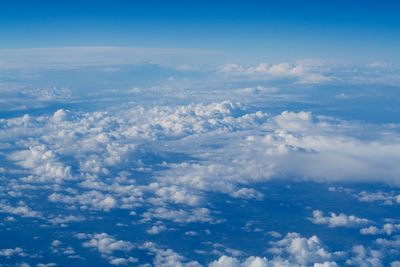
<point>355,31</point>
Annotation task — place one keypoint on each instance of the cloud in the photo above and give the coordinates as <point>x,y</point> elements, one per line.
<point>168,257</point>
<point>87,200</point>
<point>387,198</point>
<point>76,57</point>
<point>161,164</point>
<point>107,245</point>
<point>389,243</point>
<point>387,228</point>
<point>179,215</point>
<point>43,163</point>
<point>292,250</point>
<point>303,73</point>
<point>334,220</point>
<point>379,64</point>
<point>63,220</point>
<point>301,250</point>
<point>156,229</point>
<point>226,147</point>
<point>11,252</point>
<point>365,257</point>
<point>22,209</point>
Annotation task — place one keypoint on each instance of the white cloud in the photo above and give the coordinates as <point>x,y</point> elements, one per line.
<point>222,147</point>
<point>255,261</point>
<point>22,209</point>
<point>387,228</point>
<point>225,261</point>
<point>156,229</point>
<point>387,198</point>
<point>300,249</point>
<point>379,64</point>
<point>168,257</point>
<point>43,163</point>
<point>87,200</point>
<point>278,145</point>
<point>389,243</point>
<point>11,252</point>
<point>64,219</point>
<point>106,244</point>
<point>326,264</point>
<point>365,257</point>
<point>123,261</point>
<point>179,215</point>
<point>304,73</point>
<point>340,220</point>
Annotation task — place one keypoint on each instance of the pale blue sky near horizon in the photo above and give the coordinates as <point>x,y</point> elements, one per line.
<point>356,32</point>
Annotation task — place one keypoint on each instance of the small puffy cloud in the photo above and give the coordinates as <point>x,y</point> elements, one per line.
<point>340,220</point>
<point>326,264</point>
<point>11,252</point>
<point>43,163</point>
<point>247,193</point>
<point>362,256</point>
<point>107,244</point>
<point>175,194</point>
<point>387,229</point>
<point>179,215</point>
<point>167,257</point>
<point>301,250</point>
<point>389,243</point>
<point>123,261</point>
<point>225,261</point>
<point>156,229</point>
<point>88,200</point>
<point>63,220</point>
<point>255,261</point>
<point>22,210</point>
<point>56,243</point>
<point>386,198</point>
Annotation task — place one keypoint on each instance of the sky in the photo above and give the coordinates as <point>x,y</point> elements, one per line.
<point>199,133</point>
<point>245,31</point>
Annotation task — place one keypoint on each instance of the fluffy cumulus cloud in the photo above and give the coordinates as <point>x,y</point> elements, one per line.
<point>167,257</point>
<point>337,220</point>
<point>292,250</point>
<point>387,198</point>
<point>253,261</point>
<point>42,163</point>
<point>179,216</point>
<point>91,199</point>
<point>10,252</point>
<point>365,257</point>
<point>107,246</point>
<point>162,164</point>
<point>225,147</point>
<point>387,229</point>
<point>21,209</point>
<point>300,249</point>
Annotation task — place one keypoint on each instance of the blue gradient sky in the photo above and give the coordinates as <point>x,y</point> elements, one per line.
<point>351,31</point>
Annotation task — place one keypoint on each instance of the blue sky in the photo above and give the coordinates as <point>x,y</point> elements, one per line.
<point>246,31</point>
